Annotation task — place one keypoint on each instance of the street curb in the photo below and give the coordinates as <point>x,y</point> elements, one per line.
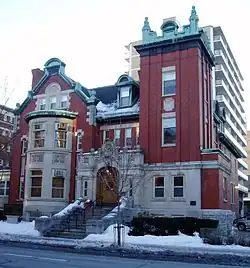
<point>135,253</point>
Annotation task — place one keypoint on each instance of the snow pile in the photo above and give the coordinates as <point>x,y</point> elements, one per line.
<point>106,110</point>
<point>22,228</point>
<point>66,210</point>
<point>176,240</point>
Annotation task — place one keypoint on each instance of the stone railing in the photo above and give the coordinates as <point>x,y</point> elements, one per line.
<point>75,213</point>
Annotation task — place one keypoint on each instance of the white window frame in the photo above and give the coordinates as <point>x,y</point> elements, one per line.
<point>117,137</point>
<point>159,187</point>
<point>61,128</point>
<point>79,142</point>
<point>128,136</point>
<point>42,129</point>
<point>62,174</point>
<point>51,102</point>
<point>36,176</point>
<point>125,94</point>
<point>42,104</point>
<point>178,187</point>
<point>168,71</point>
<point>166,125</point>
<point>105,135</point>
<point>5,188</point>
<point>62,101</point>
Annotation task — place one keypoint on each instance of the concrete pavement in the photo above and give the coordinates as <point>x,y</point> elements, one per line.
<point>17,257</point>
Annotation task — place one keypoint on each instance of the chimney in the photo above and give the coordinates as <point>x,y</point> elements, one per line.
<point>37,74</point>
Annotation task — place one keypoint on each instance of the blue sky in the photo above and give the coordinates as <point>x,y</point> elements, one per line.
<point>90,35</point>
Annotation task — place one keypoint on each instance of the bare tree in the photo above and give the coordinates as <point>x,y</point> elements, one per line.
<point>118,175</point>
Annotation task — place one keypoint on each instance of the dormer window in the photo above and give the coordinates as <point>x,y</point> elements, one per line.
<point>125,96</point>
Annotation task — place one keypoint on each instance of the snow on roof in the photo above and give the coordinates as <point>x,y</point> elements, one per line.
<point>111,110</point>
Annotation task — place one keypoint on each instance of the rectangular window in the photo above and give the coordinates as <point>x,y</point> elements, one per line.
<point>137,136</point>
<point>125,96</point>
<point>58,186</point>
<point>52,103</point>
<point>225,188</point>
<point>79,141</point>
<point>128,137</point>
<point>36,177</point>
<point>169,131</point>
<point>105,135</point>
<point>64,102</point>
<point>232,193</point>
<point>61,135</point>
<point>117,136</point>
<point>38,135</point>
<point>21,190</point>
<point>169,82</point>
<point>24,146</point>
<point>178,186</point>
<point>4,188</point>
<point>85,189</point>
<point>42,104</point>
<point>159,187</point>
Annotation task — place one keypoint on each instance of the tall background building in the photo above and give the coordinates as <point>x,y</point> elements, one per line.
<point>227,90</point>
<point>6,132</point>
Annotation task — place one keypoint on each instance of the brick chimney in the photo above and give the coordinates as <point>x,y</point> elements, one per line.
<point>37,74</point>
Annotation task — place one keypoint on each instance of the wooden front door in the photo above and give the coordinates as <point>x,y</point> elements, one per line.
<point>106,191</point>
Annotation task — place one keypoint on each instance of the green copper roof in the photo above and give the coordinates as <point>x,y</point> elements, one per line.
<point>170,31</point>
<point>50,113</point>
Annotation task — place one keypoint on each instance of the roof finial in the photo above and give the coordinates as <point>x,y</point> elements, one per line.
<point>193,19</point>
<point>146,26</point>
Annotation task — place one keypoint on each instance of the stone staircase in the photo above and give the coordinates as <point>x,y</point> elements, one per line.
<point>92,225</point>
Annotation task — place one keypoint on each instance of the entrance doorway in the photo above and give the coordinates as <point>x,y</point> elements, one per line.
<point>106,186</point>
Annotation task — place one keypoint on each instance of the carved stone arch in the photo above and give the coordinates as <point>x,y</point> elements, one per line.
<point>53,88</point>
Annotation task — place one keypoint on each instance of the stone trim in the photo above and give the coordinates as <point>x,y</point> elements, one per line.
<point>119,126</point>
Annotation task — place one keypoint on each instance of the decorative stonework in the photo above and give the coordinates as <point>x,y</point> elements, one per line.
<point>58,158</point>
<point>37,158</point>
<point>53,88</point>
<point>168,105</point>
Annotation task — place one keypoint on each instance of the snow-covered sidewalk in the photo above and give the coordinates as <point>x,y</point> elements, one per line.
<point>25,232</point>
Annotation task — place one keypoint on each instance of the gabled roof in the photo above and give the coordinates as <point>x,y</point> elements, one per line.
<point>52,67</point>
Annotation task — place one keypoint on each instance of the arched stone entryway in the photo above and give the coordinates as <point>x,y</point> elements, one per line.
<point>106,186</point>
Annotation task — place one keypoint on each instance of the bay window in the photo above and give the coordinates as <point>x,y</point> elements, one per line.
<point>36,177</point>
<point>58,181</point>
<point>38,135</point>
<point>61,135</point>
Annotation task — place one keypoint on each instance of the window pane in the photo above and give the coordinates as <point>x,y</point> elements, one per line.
<point>36,172</point>
<point>2,184</point>
<point>159,181</point>
<point>1,191</point>
<point>124,92</point>
<point>57,193</point>
<point>159,192</point>
<point>58,182</point>
<point>178,192</point>
<point>169,87</point>
<point>36,182</point>
<point>124,101</point>
<point>169,135</point>
<point>128,132</point>
<point>36,192</point>
<point>178,181</point>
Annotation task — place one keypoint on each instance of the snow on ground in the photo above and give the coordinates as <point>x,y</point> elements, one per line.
<point>22,228</point>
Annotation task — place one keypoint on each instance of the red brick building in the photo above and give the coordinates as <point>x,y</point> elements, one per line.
<point>163,132</point>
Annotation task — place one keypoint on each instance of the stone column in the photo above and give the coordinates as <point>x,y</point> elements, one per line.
<point>78,186</point>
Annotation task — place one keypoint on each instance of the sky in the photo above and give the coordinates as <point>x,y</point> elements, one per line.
<point>90,36</point>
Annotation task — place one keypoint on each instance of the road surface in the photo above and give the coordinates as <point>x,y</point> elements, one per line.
<point>17,257</point>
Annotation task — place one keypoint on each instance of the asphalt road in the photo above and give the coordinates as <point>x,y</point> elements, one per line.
<point>17,257</point>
